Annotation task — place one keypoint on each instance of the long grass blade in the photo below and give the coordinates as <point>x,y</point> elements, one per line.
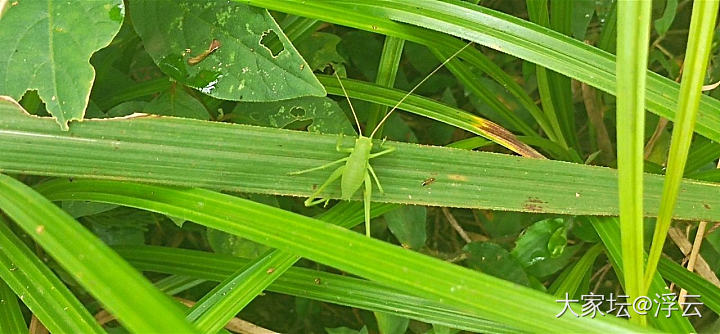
<point>469,79</point>
<point>634,17</point>
<point>538,11</point>
<point>240,288</point>
<point>431,109</point>
<point>387,71</point>
<point>92,263</point>
<point>499,31</point>
<point>11,318</point>
<point>702,26</point>
<point>609,231</point>
<point>217,307</point>
<point>47,297</point>
<point>394,266</point>
<point>312,284</point>
<point>252,159</point>
<point>696,285</point>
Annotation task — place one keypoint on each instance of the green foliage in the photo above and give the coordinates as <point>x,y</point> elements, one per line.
<point>195,112</point>
<point>221,49</point>
<point>324,113</point>
<point>408,225</point>
<point>494,260</point>
<point>50,53</point>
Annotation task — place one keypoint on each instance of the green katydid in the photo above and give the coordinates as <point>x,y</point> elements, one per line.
<point>357,168</point>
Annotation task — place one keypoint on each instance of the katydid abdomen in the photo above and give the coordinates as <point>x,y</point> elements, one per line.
<point>356,167</point>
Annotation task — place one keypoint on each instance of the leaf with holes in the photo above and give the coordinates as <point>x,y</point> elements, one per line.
<point>46,46</point>
<point>220,48</point>
<point>320,50</point>
<point>325,114</point>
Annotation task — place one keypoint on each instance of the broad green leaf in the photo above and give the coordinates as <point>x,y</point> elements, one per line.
<point>257,160</point>
<point>220,49</point>
<point>582,14</point>
<point>583,230</point>
<point>127,108</point>
<point>80,209</point>
<point>663,24</point>
<point>90,262</point>
<point>46,45</point>
<point>177,102</point>
<point>494,260</point>
<point>569,283</point>
<point>558,241</point>
<point>363,50</point>
<point>345,330</point>
<point>398,268</point>
<point>120,226</point>
<point>542,240</point>
<point>226,243</point>
<point>391,324</point>
<point>325,114</point>
<point>320,51</point>
<point>545,268</point>
<point>408,225</point>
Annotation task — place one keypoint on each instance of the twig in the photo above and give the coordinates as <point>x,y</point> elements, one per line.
<point>710,86</point>
<point>36,327</point>
<point>699,235</point>
<point>701,266</point>
<point>236,325</point>
<point>601,273</point>
<point>453,222</point>
<point>595,114</point>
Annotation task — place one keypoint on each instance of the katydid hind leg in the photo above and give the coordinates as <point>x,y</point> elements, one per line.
<point>377,181</point>
<point>367,196</point>
<point>334,176</point>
